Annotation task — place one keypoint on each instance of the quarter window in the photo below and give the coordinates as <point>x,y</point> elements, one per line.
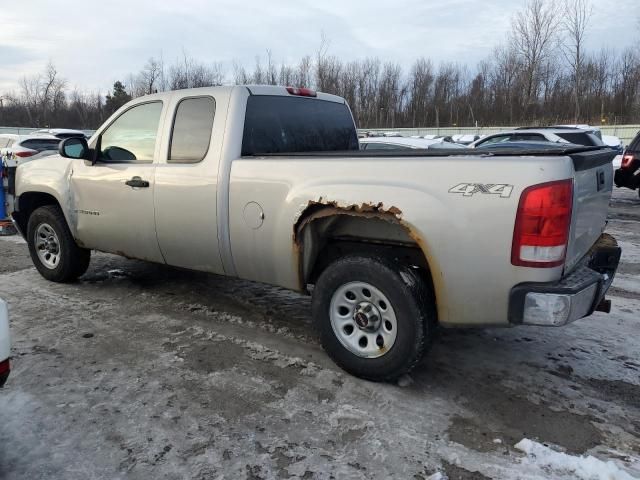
<point>191,132</point>
<point>132,136</point>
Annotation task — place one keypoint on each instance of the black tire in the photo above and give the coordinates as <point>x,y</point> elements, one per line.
<point>73,260</point>
<point>410,298</point>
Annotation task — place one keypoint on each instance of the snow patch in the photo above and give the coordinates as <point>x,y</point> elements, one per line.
<point>437,476</point>
<point>585,468</point>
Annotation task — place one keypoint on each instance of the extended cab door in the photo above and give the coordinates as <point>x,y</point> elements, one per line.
<point>186,186</point>
<point>112,201</point>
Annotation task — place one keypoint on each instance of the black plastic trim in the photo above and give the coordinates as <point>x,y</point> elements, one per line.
<point>457,152</point>
<point>591,159</point>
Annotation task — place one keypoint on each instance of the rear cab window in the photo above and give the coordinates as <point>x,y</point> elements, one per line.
<point>191,132</point>
<point>280,124</point>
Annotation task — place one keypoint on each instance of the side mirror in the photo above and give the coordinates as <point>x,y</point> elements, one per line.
<point>74,147</point>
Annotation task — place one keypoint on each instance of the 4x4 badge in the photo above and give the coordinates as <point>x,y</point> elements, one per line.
<point>468,189</point>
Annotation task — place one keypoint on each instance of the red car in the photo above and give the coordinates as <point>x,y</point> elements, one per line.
<point>628,175</point>
<point>5,366</point>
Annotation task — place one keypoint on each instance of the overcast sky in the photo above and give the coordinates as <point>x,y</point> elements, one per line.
<point>95,43</point>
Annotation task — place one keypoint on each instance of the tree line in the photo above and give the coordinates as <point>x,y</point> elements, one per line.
<point>540,74</point>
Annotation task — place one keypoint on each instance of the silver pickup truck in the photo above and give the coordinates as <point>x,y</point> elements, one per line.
<point>267,184</point>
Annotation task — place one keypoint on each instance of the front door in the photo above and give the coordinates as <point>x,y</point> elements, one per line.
<point>112,201</point>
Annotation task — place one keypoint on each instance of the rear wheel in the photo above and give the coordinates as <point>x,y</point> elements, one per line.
<point>53,249</point>
<point>375,318</point>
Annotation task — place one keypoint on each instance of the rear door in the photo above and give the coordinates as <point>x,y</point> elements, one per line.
<point>187,183</point>
<point>112,201</point>
<point>592,188</point>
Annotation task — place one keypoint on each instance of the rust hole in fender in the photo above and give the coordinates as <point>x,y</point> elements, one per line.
<point>324,208</point>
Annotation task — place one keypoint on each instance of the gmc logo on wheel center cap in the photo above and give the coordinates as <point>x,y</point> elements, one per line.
<point>361,319</point>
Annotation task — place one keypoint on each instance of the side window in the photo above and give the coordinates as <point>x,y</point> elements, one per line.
<point>132,136</point>
<point>496,139</point>
<point>528,137</point>
<point>191,131</point>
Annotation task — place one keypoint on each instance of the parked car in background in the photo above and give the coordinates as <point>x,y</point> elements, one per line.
<point>577,134</point>
<point>61,133</point>
<point>24,146</point>
<point>614,142</point>
<point>519,136</point>
<point>442,138</point>
<point>465,139</point>
<point>544,134</point>
<point>628,175</point>
<point>18,149</point>
<point>582,126</point>
<point>523,144</point>
<point>5,343</point>
<point>403,143</point>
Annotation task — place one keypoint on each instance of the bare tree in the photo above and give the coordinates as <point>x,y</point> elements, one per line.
<point>150,75</point>
<point>576,19</point>
<point>534,35</point>
<point>524,81</point>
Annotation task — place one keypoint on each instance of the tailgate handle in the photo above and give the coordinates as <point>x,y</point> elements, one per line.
<point>600,178</point>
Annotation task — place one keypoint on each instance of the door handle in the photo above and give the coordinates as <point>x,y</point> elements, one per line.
<point>137,182</point>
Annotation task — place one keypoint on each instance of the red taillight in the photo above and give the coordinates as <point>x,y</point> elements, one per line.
<point>302,92</point>
<point>542,225</point>
<point>5,367</point>
<point>626,161</point>
<point>27,153</point>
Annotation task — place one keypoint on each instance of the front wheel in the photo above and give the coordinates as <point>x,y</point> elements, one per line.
<point>374,317</point>
<point>53,249</point>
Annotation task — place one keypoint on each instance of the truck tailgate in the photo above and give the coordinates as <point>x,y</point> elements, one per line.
<point>592,188</point>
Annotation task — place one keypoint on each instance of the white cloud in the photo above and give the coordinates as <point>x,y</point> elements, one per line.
<point>95,43</point>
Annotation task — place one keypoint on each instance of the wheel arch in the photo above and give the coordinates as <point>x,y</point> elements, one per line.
<point>325,232</point>
<point>27,203</point>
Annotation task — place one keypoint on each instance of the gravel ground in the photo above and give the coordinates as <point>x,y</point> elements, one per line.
<point>141,371</point>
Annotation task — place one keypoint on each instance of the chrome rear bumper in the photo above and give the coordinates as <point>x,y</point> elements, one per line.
<point>576,295</point>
